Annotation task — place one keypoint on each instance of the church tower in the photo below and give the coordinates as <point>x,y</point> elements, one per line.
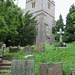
<point>45,11</point>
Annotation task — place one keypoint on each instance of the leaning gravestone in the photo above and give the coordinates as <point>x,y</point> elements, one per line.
<point>39,47</point>
<point>22,67</point>
<point>50,69</point>
<point>27,49</point>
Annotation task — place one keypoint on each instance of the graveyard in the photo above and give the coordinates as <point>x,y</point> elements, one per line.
<point>32,42</point>
<point>49,55</point>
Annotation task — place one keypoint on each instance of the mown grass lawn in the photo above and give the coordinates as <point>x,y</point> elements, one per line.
<point>50,55</point>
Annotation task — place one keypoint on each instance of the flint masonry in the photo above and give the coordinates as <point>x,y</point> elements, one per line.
<point>45,11</point>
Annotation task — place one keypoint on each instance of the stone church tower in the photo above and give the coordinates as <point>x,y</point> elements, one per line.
<point>45,11</point>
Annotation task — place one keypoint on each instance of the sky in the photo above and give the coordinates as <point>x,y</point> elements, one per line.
<point>61,7</point>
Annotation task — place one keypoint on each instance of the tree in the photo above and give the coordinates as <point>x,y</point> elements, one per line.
<point>73,18</point>
<point>70,31</point>
<point>3,29</point>
<point>16,26</point>
<point>59,25</point>
<point>27,31</point>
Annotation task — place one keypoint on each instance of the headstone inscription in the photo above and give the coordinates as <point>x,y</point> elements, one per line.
<point>39,47</point>
<point>22,67</point>
<point>50,69</point>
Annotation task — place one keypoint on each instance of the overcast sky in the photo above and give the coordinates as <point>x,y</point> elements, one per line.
<point>61,7</point>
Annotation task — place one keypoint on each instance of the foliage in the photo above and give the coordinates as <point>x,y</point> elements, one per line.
<point>70,30</point>
<point>60,44</point>
<point>66,56</point>
<point>3,29</point>
<point>59,25</point>
<point>10,14</point>
<point>27,32</point>
<point>73,18</point>
<point>14,25</point>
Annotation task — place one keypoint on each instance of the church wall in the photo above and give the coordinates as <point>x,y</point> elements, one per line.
<point>45,19</point>
<point>50,11</point>
<point>37,8</point>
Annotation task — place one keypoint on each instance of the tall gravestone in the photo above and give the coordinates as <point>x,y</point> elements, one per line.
<point>22,67</point>
<point>50,69</point>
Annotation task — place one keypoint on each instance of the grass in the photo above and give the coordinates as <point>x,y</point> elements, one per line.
<point>50,55</point>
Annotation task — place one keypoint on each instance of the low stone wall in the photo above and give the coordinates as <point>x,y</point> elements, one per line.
<point>10,57</point>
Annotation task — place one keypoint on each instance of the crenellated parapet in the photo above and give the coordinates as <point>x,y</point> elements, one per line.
<point>51,1</point>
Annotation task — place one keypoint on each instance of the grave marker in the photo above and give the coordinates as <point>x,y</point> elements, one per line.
<point>73,71</point>
<point>60,32</point>
<point>27,49</point>
<point>50,69</point>
<point>39,47</point>
<point>22,67</point>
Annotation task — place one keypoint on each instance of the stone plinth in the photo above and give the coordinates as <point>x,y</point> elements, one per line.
<point>50,69</point>
<point>61,47</point>
<point>22,67</point>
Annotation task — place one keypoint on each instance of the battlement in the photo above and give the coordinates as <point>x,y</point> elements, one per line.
<point>28,0</point>
<point>53,2</point>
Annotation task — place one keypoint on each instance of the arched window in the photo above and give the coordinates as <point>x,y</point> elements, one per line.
<point>33,4</point>
<point>49,5</point>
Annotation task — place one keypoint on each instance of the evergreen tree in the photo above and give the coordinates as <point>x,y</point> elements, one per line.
<point>14,25</point>
<point>3,29</point>
<point>59,25</point>
<point>69,35</point>
<point>27,31</point>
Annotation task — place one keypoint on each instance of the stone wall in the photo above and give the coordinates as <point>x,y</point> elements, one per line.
<point>45,19</point>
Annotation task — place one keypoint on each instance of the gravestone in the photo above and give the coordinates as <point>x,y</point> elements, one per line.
<point>50,69</point>
<point>3,47</point>
<point>73,71</point>
<point>27,49</point>
<point>61,45</point>
<point>14,49</point>
<point>39,47</point>
<point>22,67</point>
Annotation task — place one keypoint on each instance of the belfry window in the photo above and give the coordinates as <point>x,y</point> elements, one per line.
<point>33,4</point>
<point>49,5</point>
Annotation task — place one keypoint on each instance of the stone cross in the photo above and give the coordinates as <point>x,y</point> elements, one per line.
<point>60,32</point>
